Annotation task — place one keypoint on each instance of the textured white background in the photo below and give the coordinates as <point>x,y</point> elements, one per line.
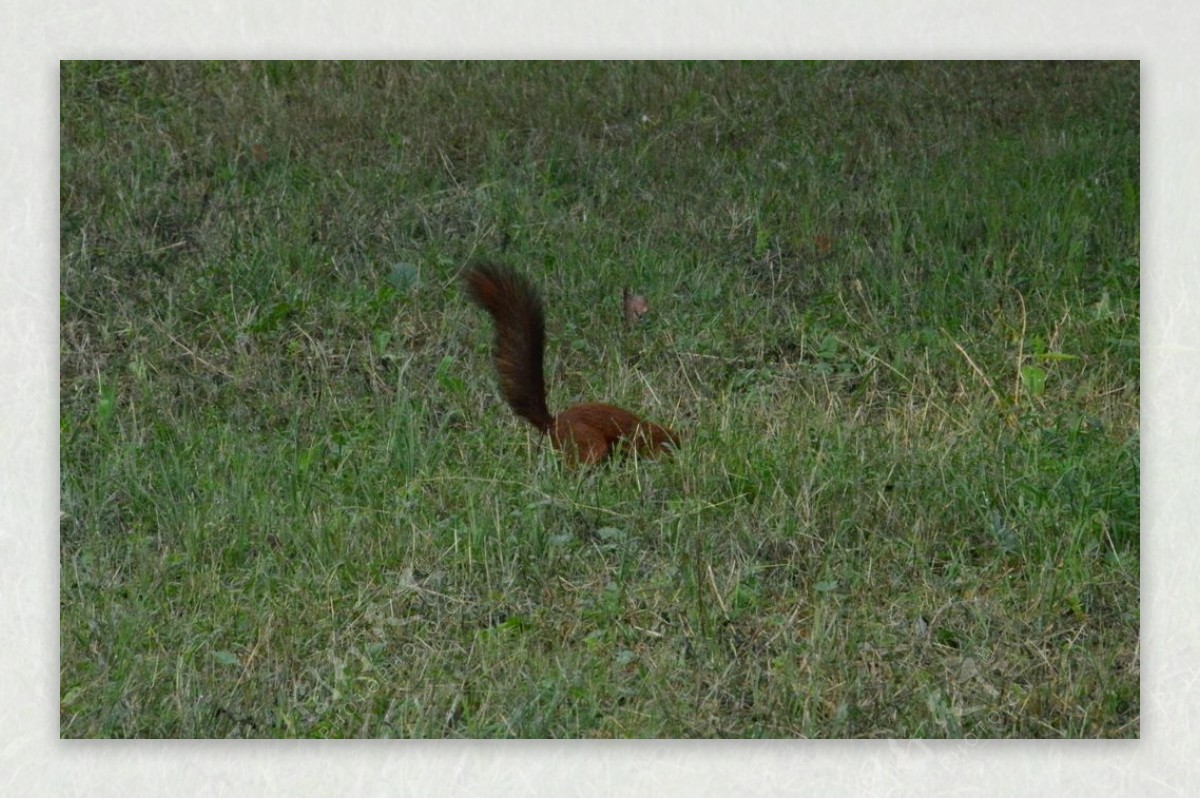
<point>35,34</point>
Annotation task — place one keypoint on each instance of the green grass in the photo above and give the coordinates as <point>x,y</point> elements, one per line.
<point>894,311</point>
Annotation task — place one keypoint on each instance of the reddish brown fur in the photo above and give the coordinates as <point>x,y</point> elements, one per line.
<point>587,433</point>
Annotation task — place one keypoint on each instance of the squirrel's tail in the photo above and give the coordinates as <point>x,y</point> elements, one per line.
<point>516,311</point>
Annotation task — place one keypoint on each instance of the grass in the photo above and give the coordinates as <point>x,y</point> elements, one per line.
<point>894,310</point>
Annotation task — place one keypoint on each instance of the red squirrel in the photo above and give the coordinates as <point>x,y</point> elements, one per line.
<point>587,433</point>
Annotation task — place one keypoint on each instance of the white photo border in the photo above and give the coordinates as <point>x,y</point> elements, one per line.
<point>33,761</point>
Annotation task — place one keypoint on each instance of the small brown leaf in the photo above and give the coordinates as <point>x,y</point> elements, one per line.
<point>634,307</point>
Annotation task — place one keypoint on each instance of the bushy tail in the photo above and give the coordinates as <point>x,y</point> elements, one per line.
<point>516,311</point>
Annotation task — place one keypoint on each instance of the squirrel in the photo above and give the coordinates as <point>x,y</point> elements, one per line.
<point>587,433</point>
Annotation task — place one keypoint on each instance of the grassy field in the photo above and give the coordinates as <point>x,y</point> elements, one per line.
<point>894,311</point>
